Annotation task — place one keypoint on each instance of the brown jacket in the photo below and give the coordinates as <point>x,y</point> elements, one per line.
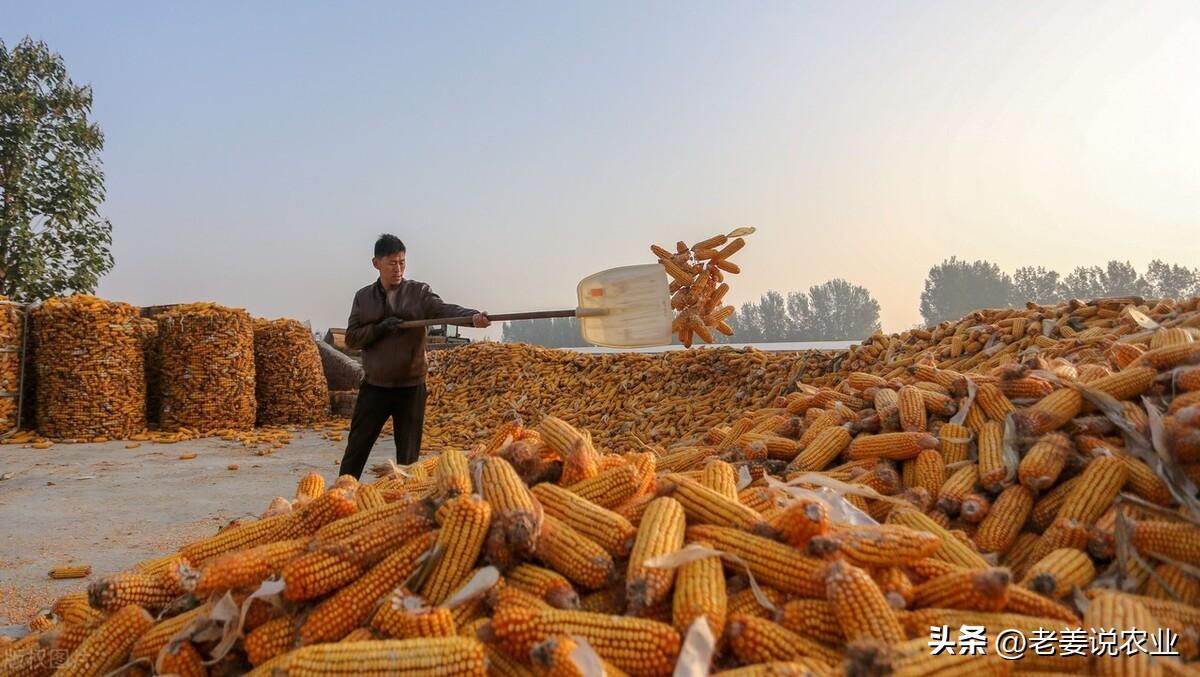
<point>397,358</point>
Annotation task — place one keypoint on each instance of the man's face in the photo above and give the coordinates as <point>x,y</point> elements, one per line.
<point>391,268</point>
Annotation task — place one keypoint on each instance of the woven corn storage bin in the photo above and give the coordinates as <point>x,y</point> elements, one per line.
<point>290,381</point>
<point>206,353</point>
<point>89,369</point>
<point>12,327</point>
<point>148,335</point>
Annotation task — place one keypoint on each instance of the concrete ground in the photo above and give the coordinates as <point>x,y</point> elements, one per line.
<point>110,507</point>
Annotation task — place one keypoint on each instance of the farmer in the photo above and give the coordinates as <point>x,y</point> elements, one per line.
<point>393,359</point>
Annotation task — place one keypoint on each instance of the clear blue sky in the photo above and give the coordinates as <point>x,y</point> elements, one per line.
<point>254,150</point>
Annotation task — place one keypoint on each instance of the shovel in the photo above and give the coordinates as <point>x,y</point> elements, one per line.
<point>627,307</point>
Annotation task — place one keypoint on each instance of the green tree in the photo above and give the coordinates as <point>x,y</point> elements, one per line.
<point>52,238</point>
<point>955,288</point>
<point>1120,278</point>
<point>1037,285</point>
<point>835,310</point>
<point>1172,281</point>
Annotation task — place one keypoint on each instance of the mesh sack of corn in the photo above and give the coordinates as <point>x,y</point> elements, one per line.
<point>89,368</point>
<point>207,365</point>
<point>12,326</point>
<point>290,381</point>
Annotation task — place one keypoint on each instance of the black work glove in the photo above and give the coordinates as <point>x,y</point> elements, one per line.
<point>390,324</point>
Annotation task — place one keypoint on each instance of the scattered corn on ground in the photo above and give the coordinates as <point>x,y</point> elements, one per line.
<point>823,529</point>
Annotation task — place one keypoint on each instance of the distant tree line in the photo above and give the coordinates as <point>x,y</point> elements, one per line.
<point>956,287</point>
<point>838,310</point>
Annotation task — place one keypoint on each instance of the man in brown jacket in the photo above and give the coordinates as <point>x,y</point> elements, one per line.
<point>393,359</point>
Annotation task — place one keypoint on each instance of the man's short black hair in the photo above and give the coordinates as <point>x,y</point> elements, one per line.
<point>387,245</point>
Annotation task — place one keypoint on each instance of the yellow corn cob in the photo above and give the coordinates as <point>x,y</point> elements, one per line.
<point>107,647</point>
<point>238,537</point>
<point>556,657</point>
<point>1005,519</point>
<point>181,659</point>
<point>366,497</point>
<point>248,567</point>
<point>646,464</point>
<point>1051,412</point>
<point>633,509</point>
<point>1179,541</point>
<point>459,656</point>
<point>812,618</point>
<point>917,623</point>
<point>339,529</point>
<point>700,591</point>
<point>71,571</point>
<point>661,532</point>
<point>822,449</point>
<point>1121,613</point>
<point>877,545</point>
<point>929,471</point>
<point>720,477</point>
<point>774,564</point>
<point>1027,388</point>
<point>337,563</point>
<point>582,461</point>
<point>955,442</point>
<point>640,647</point>
<point>545,584</point>
<point>953,551</point>
<point>1176,585</point>
<point>705,506</point>
<point>515,514</point>
<point>452,477</point>
<point>610,488</point>
<point>859,380</point>
<point>310,486</point>
<point>609,530</point>
<point>1056,573</point>
<point>887,405</point>
<point>896,586</point>
<point>825,419</point>
<point>993,402</point>
<point>349,607</point>
<point>510,595</point>
<point>895,446</point>
<point>1183,618</point>
<point>1047,507</point>
<point>607,601</point>
<point>804,667</point>
<point>406,616</point>
<point>745,602</point>
<point>992,470</point>
<point>1062,533</point>
<point>273,638</point>
<point>799,522</point>
<point>974,508</point>
<point>1099,484</point>
<point>912,658</point>
<point>1144,482</point>
<point>463,532</point>
<point>859,605</point>
<point>1017,556</point>
<point>957,486</point>
<point>684,459</point>
<point>154,639</point>
<point>1040,467</point>
<point>758,640</point>
<point>967,589</point>
<point>912,409</point>
<point>559,435</point>
<point>1166,357</point>
<point>130,589</point>
<point>573,555</point>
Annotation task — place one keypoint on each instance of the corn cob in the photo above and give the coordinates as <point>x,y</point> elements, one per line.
<point>638,646</point>
<point>720,477</point>
<point>774,564</point>
<point>822,449</point>
<point>406,616</point>
<point>992,470</point>
<point>1004,520</point>
<point>812,618</point>
<point>1050,413</point>
<point>912,409</point>
<point>1144,482</point>
<point>582,461</point>
<point>247,568</point>
<point>633,509</point>
<point>510,595</point>
<point>1062,533</point>
<point>367,496</point>
<point>339,529</point>
<point>1025,388</point>
<point>348,607</point>
<point>310,486</point>
<point>700,592</point>
<point>954,442</point>
<point>610,488</point>
<point>705,506</point>
<point>758,640</point>
<point>957,487</point>
<point>968,589</point>
<point>463,532</point>
<point>609,530</point>
<point>273,638</point>
<point>153,640</point>
<point>993,402</point>
<point>1018,554</point>
<point>1040,467</point>
<point>646,464</point>
<point>181,659</point>
<point>974,508</point>
<point>1060,570</point>
<point>337,563</point>
<point>238,537</point>
<point>661,532</point>
<point>918,623</point>
<point>1120,613</point>
<point>459,656</point>
<point>573,555</point>
<point>1098,486</point>
<point>1179,541</point>
<point>929,471</point>
<point>799,522</point>
<point>1047,507</point>
<point>107,647</point>
<point>953,551</point>
<point>877,545</point>
<point>556,657</point>
<point>821,420</point>
<point>912,658</point>
<point>1176,585</point>
<point>859,605</point>
<point>894,446</point>
<point>1166,357</point>
<point>452,477</point>
<point>130,589</point>
<point>544,584</point>
<point>561,437</point>
<point>71,571</point>
<point>515,514</point>
<point>745,602</point>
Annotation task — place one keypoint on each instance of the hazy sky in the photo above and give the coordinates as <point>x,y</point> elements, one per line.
<point>254,150</point>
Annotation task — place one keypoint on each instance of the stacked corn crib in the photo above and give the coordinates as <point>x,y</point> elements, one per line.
<point>852,527</point>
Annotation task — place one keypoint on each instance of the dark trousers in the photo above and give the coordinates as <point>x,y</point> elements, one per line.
<point>405,406</point>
